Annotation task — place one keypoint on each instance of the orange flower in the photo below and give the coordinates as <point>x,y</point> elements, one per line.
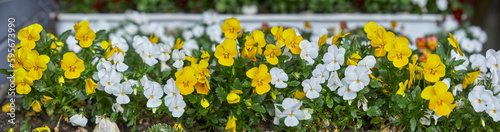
<point>432,42</point>
<point>420,43</point>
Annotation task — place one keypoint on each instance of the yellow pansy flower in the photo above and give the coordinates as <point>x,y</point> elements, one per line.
<point>20,56</point>
<point>205,55</point>
<point>453,42</point>
<point>470,78</point>
<point>336,38</point>
<point>294,45</point>
<point>90,86</point>
<point>105,45</point>
<point>278,34</point>
<point>72,65</point>
<point>249,52</point>
<point>111,52</point>
<point>29,35</point>
<point>185,80</point>
<point>402,87</point>
<point>434,68</point>
<point>231,124</point>
<point>60,80</point>
<point>81,24</point>
<point>353,59</point>
<point>6,108</point>
<point>233,96</point>
<point>260,79</point>
<point>22,81</point>
<point>257,36</point>
<point>204,103</point>
<point>379,38</point>
<point>440,98</point>
<point>42,129</point>
<point>178,127</point>
<point>36,64</point>
<point>288,37</point>
<point>411,67</point>
<point>231,27</point>
<point>36,106</point>
<point>322,40</point>
<point>153,39</point>
<point>272,52</point>
<point>86,36</point>
<point>202,87</point>
<point>299,94</point>
<point>56,44</point>
<point>45,99</point>
<point>400,53</point>
<point>226,52</point>
<point>178,44</point>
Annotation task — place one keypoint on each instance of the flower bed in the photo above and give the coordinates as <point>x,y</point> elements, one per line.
<point>226,78</point>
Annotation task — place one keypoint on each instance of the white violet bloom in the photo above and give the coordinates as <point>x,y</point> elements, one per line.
<point>154,95</point>
<point>122,91</point>
<point>178,57</point>
<point>78,120</point>
<point>111,81</point>
<point>321,73</point>
<point>334,58</point>
<point>177,107</point>
<point>278,77</point>
<point>308,52</point>
<point>312,87</point>
<point>356,77</point>
<point>334,81</point>
<point>479,98</point>
<point>478,62</point>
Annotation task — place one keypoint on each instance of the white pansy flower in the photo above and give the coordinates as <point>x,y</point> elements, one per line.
<point>178,57</point>
<point>177,107</point>
<point>118,59</point>
<point>150,54</point>
<point>442,5</point>
<point>131,29</point>
<point>334,58</point>
<point>478,33</point>
<point>368,62</point>
<point>111,81</point>
<point>118,42</point>
<point>478,46</point>
<point>73,44</point>
<point>457,57</point>
<point>450,24</point>
<point>136,17</point>
<point>312,87</point>
<point>346,92</point>
<point>356,77</point>
<point>493,59</point>
<point>121,93</point>
<point>292,112</point>
<point>479,98</point>
<point>187,35</point>
<point>334,81</point>
<point>154,94</point>
<point>286,52</point>
<point>458,87</point>
<point>214,32</point>
<point>420,3</point>
<point>307,113</point>
<point>140,43</point>
<point>317,33</point>
<point>103,68</point>
<point>321,73</point>
<point>165,51</point>
<point>189,46</point>
<point>277,114</point>
<point>78,120</point>
<point>308,52</point>
<point>210,17</point>
<point>278,77</point>
<point>478,62</point>
<point>172,92</point>
<point>493,109</point>
<point>198,31</point>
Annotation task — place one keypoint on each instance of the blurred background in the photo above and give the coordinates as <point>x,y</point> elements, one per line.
<point>57,15</point>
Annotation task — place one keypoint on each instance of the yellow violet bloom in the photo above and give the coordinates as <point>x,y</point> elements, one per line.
<point>90,86</point>
<point>379,38</point>
<point>336,38</point>
<point>294,45</point>
<point>6,108</point>
<point>453,42</point>
<point>272,52</point>
<point>81,24</point>
<point>178,127</point>
<point>178,44</point>
<point>86,37</point>
<point>231,27</point>
<point>400,53</point>
<point>411,67</point>
<point>273,95</point>
<point>111,52</point>
<point>202,87</point>
<point>288,37</point>
<point>440,98</point>
<point>402,87</point>
<point>56,44</point>
<point>278,34</point>
<point>42,129</point>
<point>105,45</point>
<point>72,65</point>
<point>22,81</point>
<point>36,64</point>
<point>205,55</point>
<point>185,80</point>
<point>226,52</point>
<point>60,80</point>
<point>257,36</point>
<point>249,52</point>
<point>470,78</point>
<point>322,40</point>
<point>29,35</point>
<point>260,79</point>
<point>434,68</point>
<point>153,39</point>
<point>231,124</point>
<point>233,97</point>
<point>354,58</point>
<point>299,94</point>
<point>20,56</point>
<point>36,106</point>
<point>45,99</point>
<point>204,103</point>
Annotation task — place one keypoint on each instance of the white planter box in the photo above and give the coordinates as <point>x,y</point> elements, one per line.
<point>415,25</point>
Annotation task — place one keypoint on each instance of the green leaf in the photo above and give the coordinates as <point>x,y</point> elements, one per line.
<point>375,84</point>
<point>293,83</point>
<point>27,103</point>
<point>413,123</point>
<point>329,103</point>
<point>43,36</point>
<point>258,99</point>
<point>64,36</point>
<point>221,93</point>
<point>259,108</point>
<point>51,66</point>
<point>25,125</point>
<point>376,120</point>
<point>190,111</point>
<point>113,117</point>
<point>50,110</point>
<point>373,111</point>
<point>246,84</point>
<point>4,72</point>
